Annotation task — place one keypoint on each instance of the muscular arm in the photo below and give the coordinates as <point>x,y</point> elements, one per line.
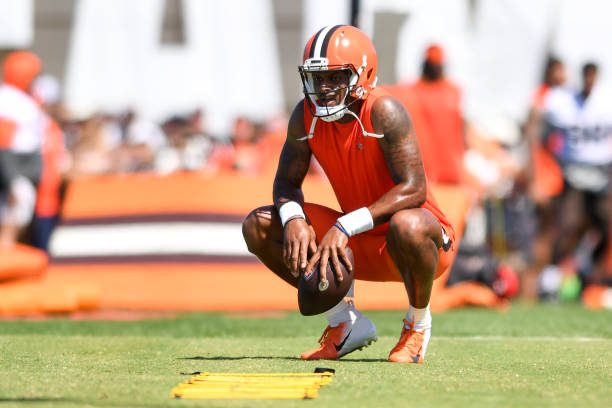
<point>298,236</point>
<point>401,150</point>
<point>293,163</point>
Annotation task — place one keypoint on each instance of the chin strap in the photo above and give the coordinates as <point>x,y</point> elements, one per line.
<point>363,131</point>
<point>310,134</point>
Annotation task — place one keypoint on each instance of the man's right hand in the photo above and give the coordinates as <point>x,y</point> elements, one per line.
<point>300,240</point>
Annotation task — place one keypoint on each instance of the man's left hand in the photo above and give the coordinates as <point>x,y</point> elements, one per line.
<point>332,247</point>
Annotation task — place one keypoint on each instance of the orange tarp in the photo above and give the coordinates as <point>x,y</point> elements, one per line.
<point>44,295</point>
<point>26,290</point>
<point>207,287</point>
<point>177,193</point>
<point>20,261</point>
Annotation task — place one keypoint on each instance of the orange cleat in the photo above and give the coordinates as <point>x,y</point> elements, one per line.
<point>343,339</point>
<point>411,346</point>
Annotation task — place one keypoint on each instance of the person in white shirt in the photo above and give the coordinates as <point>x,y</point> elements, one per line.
<point>21,132</point>
<point>577,131</point>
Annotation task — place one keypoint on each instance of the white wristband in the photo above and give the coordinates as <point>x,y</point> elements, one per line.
<point>357,221</point>
<point>289,210</point>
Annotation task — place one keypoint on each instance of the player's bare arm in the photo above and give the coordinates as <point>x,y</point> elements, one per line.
<point>299,236</point>
<point>533,132</point>
<point>401,150</point>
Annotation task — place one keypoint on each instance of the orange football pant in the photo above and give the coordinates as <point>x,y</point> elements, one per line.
<point>372,259</point>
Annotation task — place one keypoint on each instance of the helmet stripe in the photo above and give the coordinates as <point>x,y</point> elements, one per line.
<point>327,39</point>
<point>314,42</point>
<point>318,42</point>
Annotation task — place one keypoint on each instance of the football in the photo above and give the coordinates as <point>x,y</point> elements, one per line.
<point>313,298</point>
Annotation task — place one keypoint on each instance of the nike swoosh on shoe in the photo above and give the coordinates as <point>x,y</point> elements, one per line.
<point>339,346</point>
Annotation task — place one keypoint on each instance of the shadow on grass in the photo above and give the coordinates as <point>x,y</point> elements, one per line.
<point>36,399</point>
<point>365,360</point>
<point>239,358</point>
<point>76,402</point>
<point>221,358</point>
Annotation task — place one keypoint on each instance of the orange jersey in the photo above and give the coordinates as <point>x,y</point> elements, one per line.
<point>355,164</point>
<point>440,105</point>
<point>537,100</point>
<point>54,153</point>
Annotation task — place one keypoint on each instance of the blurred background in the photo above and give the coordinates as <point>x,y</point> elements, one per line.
<point>136,135</point>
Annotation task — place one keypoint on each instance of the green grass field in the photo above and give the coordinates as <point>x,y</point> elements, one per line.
<point>530,356</point>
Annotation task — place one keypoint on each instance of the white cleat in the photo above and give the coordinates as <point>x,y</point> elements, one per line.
<point>345,338</point>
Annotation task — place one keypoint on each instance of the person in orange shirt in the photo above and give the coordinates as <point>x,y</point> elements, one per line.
<point>554,75</point>
<point>544,174</point>
<point>48,199</point>
<point>364,140</point>
<point>55,160</point>
<point>438,118</point>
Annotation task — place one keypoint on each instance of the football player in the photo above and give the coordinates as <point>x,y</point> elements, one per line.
<point>365,142</point>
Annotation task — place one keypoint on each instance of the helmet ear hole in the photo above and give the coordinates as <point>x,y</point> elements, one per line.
<point>369,74</point>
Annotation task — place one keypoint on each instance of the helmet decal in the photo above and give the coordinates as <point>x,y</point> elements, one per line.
<point>318,48</point>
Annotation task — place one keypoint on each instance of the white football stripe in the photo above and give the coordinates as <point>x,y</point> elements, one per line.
<point>528,338</point>
<point>149,239</point>
<point>509,338</point>
<point>320,40</point>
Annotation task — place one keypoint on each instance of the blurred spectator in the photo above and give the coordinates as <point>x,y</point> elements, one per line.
<point>187,147</point>
<point>554,75</point>
<point>55,162</point>
<point>434,103</point>
<point>196,122</point>
<point>248,152</point>
<point>21,134</point>
<point>141,141</point>
<point>484,272</point>
<point>93,150</point>
<point>249,149</point>
<point>544,175</point>
<point>544,178</point>
<point>576,128</point>
<point>47,91</point>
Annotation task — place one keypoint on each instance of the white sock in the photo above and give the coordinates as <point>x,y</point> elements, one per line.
<point>351,291</point>
<point>342,312</point>
<point>422,318</point>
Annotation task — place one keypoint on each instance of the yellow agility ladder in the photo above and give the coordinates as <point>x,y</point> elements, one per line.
<point>254,385</point>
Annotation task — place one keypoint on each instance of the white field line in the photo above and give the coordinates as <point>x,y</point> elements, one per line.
<point>532,338</point>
